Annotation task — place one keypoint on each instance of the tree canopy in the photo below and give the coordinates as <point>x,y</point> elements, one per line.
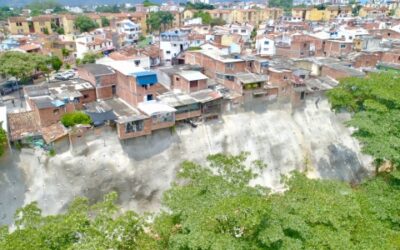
<point>85,23</point>
<point>3,139</point>
<point>375,103</point>
<point>205,17</point>
<point>148,3</point>
<point>285,4</point>
<point>105,22</point>
<point>109,9</point>
<point>213,207</point>
<point>23,65</point>
<point>160,20</point>
<point>199,6</point>
<point>74,118</point>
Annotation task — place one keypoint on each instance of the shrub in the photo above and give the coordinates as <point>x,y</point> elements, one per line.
<point>74,118</point>
<point>194,48</point>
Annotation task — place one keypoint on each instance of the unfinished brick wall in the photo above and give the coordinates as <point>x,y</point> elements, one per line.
<point>366,60</point>
<point>49,116</point>
<point>181,83</point>
<point>391,57</point>
<point>122,134</point>
<point>335,48</point>
<point>332,72</point>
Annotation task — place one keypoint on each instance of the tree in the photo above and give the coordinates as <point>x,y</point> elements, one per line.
<point>3,139</point>
<point>217,22</point>
<point>214,207</point>
<point>148,3</point>
<point>253,34</point>
<point>74,118</point>
<point>85,23</point>
<point>88,58</point>
<point>205,17</point>
<point>109,9</point>
<point>56,63</point>
<point>285,4</point>
<point>17,64</point>
<point>159,19</point>
<point>375,103</point>
<point>65,52</point>
<point>199,6</point>
<point>105,22</point>
<point>6,12</point>
<point>83,226</point>
<point>37,7</point>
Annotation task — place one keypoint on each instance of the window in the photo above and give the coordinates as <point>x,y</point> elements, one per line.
<point>230,65</point>
<point>177,79</point>
<point>266,49</point>
<point>163,117</point>
<point>229,78</point>
<point>285,77</point>
<point>302,95</point>
<point>243,31</point>
<point>266,42</point>
<point>85,96</point>
<point>389,34</point>
<point>137,62</point>
<point>134,126</point>
<point>194,84</point>
<point>168,52</point>
<point>342,46</point>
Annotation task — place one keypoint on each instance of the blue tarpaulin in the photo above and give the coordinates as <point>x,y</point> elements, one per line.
<point>145,78</point>
<point>58,103</point>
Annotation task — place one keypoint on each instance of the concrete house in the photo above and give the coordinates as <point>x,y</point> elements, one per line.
<point>129,30</point>
<point>172,43</point>
<point>265,46</point>
<point>103,78</point>
<point>50,102</point>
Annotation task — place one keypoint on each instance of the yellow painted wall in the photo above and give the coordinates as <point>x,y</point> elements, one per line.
<point>40,25</point>
<point>226,40</point>
<point>14,29</point>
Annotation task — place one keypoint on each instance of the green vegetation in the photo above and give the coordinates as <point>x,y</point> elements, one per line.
<point>3,140</point>
<point>194,48</point>
<point>215,208</point>
<point>199,6</point>
<point>284,4</point>
<point>109,9</point>
<point>105,22</point>
<point>160,20</point>
<point>253,34</point>
<point>88,58</point>
<point>65,52</point>
<point>37,7</point>
<point>52,152</point>
<point>375,102</point>
<point>205,17</point>
<point>217,22</point>
<point>85,23</point>
<point>56,63</point>
<point>23,65</point>
<point>75,118</point>
<point>6,12</point>
<point>148,3</point>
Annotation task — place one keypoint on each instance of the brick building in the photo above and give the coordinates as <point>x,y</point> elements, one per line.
<point>102,77</point>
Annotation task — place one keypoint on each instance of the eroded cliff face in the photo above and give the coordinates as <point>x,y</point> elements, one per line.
<point>310,139</point>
